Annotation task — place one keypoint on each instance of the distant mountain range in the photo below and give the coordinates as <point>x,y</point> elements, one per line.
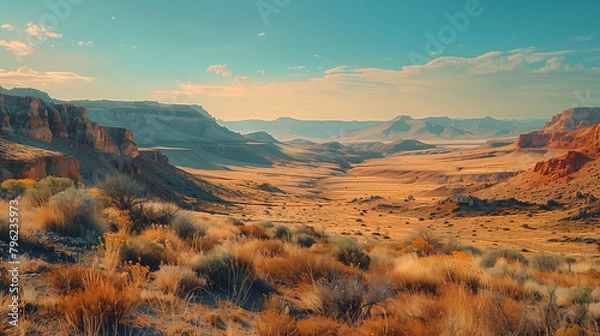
<point>399,128</point>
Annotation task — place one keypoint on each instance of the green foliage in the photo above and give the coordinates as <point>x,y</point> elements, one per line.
<point>545,262</point>
<point>305,240</point>
<point>73,212</point>
<point>11,189</point>
<point>45,188</point>
<point>472,250</point>
<point>145,252</point>
<point>350,253</point>
<point>186,227</point>
<point>283,233</point>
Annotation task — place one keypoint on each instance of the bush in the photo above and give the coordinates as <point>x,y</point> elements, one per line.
<point>11,189</point>
<point>283,233</point>
<point>351,254</point>
<point>99,303</point>
<point>177,280</point>
<point>472,250</point>
<point>233,277</point>
<point>349,299</point>
<point>253,231</point>
<point>73,213</point>
<point>121,191</point>
<point>144,252</point>
<point>43,189</point>
<point>305,240</point>
<point>185,227</point>
<point>145,214</point>
<point>490,259</point>
<point>544,262</point>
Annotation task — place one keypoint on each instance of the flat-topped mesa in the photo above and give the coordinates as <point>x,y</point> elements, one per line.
<point>40,120</point>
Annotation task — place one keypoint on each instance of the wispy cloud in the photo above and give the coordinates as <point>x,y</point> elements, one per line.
<point>40,32</point>
<point>501,83</point>
<point>220,69</point>
<point>8,27</point>
<point>25,76</point>
<point>322,58</point>
<point>584,38</point>
<point>262,34</point>
<point>85,44</point>
<point>262,72</point>
<point>242,80</point>
<point>18,47</point>
<point>299,67</point>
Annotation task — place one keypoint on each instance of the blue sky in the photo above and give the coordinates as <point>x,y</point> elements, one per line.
<point>310,59</point>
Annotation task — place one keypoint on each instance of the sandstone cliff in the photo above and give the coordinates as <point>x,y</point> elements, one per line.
<point>44,121</point>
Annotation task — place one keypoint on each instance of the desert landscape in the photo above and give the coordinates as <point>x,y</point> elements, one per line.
<point>401,168</point>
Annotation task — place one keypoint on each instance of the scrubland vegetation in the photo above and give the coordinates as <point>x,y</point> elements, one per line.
<point>149,268</point>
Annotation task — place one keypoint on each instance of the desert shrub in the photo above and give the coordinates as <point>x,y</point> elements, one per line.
<point>121,191</point>
<point>304,267</point>
<point>111,250</point>
<point>472,250</point>
<point>418,246</point>
<point>283,233</point>
<point>234,277</point>
<point>349,299</point>
<point>350,253</point>
<point>186,227</point>
<point>4,230</point>
<point>73,213</point>
<point>275,323</point>
<point>43,189</point>
<point>145,214</point>
<point>318,325</point>
<point>177,280</point>
<point>490,259</point>
<point>268,248</point>
<point>266,225</point>
<point>432,239</point>
<point>253,231</point>
<point>305,240</point>
<point>99,304</point>
<point>544,262</point>
<point>11,189</point>
<point>580,295</point>
<point>66,278</point>
<point>144,252</point>
<point>309,230</point>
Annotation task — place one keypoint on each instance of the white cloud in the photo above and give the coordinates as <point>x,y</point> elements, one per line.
<point>40,32</point>
<point>584,38</point>
<point>220,69</point>
<point>8,27</point>
<point>299,67</point>
<point>322,58</point>
<point>262,34</point>
<point>262,72</point>
<point>503,84</point>
<point>85,44</point>
<point>25,76</point>
<point>242,80</point>
<point>114,18</point>
<point>18,47</point>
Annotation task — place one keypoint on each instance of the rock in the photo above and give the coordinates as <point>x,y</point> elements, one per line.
<point>561,167</point>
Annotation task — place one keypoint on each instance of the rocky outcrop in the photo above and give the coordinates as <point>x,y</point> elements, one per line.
<point>572,119</point>
<point>538,139</point>
<point>20,162</point>
<point>563,166</point>
<point>44,121</point>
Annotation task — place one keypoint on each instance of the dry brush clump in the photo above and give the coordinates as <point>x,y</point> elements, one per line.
<point>74,213</point>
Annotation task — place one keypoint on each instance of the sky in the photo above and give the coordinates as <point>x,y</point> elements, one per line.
<point>310,59</point>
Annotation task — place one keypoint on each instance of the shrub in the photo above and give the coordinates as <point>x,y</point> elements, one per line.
<point>275,323</point>
<point>490,259</point>
<point>145,214</point>
<point>145,252</point>
<point>121,191</point>
<point>266,225</point>
<point>349,299</point>
<point>11,189</point>
<point>305,240</point>
<point>472,250</point>
<point>544,262</point>
<point>232,276</point>
<point>73,213</point>
<point>253,231</point>
<point>283,233</point>
<point>351,254</point>
<point>177,280</point>
<point>99,304</point>
<point>185,227</point>
<point>43,189</point>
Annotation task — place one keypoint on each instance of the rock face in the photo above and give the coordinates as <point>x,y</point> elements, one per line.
<point>564,166</point>
<point>37,119</point>
<point>572,119</point>
<point>21,161</point>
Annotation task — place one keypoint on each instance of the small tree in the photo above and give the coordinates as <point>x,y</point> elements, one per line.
<point>121,191</point>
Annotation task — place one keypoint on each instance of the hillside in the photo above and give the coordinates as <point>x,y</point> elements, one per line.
<point>40,139</point>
